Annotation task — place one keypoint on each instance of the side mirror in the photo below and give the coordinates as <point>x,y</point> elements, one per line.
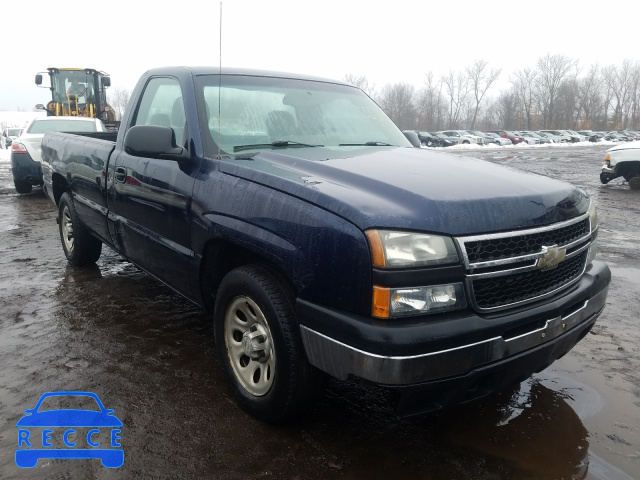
<point>38,79</point>
<point>152,141</point>
<point>412,137</point>
<point>106,81</point>
<point>40,106</point>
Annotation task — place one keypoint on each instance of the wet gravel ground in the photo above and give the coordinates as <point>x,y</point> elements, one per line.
<point>148,354</point>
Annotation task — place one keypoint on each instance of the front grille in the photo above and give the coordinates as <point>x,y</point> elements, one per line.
<point>493,292</point>
<point>502,269</point>
<point>516,245</point>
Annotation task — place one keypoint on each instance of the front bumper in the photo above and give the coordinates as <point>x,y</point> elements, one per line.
<point>25,169</point>
<point>346,346</point>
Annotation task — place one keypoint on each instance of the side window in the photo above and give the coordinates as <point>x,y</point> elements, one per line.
<point>162,105</point>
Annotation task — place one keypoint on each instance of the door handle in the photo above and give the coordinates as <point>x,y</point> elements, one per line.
<point>121,174</point>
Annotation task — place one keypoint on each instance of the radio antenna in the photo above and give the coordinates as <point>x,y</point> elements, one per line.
<point>220,86</point>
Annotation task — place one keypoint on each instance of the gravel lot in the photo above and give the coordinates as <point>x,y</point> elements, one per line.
<point>148,354</point>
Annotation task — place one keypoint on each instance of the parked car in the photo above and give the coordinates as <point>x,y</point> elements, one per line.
<point>564,137</point>
<point>591,136</point>
<point>430,140</point>
<point>26,154</point>
<point>9,135</point>
<point>485,138</point>
<point>463,137</point>
<point>550,136</point>
<point>445,140</point>
<point>320,245</point>
<point>540,138</point>
<point>622,161</point>
<point>513,136</point>
<point>497,139</point>
<point>529,138</point>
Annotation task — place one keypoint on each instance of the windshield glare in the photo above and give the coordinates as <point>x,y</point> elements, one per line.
<point>247,110</point>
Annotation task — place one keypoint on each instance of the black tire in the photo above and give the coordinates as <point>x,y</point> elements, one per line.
<point>22,187</point>
<point>634,183</point>
<point>80,247</point>
<point>254,312</point>
<point>465,142</point>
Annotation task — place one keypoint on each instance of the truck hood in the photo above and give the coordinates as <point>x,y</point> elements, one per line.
<point>411,188</point>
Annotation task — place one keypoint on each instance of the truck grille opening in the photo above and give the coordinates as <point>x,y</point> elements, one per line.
<point>511,289</point>
<point>502,269</point>
<point>511,246</point>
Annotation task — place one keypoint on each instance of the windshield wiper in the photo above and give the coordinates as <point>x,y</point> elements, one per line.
<point>366,144</point>
<point>276,144</point>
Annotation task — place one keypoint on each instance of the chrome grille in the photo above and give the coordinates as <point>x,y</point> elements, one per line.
<point>502,268</point>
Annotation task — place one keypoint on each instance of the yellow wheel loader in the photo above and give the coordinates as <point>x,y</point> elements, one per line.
<point>78,92</point>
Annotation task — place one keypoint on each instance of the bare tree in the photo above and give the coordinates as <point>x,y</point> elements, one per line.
<point>523,82</point>
<point>456,87</point>
<point>398,101</point>
<point>507,109</point>
<point>118,99</point>
<point>481,80</point>
<point>430,109</point>
<point>589,97</point>
<point>361,82</point>
<point>552,70</point>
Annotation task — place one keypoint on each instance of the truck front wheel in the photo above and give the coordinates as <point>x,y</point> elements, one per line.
<point>79,246</point>
<point>259,345</point>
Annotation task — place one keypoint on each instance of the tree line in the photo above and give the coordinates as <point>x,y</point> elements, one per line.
<point>556,92</point>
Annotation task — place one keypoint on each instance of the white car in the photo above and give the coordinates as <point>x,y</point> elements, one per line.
<point>463,137</point>
<point>623,161</point>
<point>26,151</point>
<point>497,139</point>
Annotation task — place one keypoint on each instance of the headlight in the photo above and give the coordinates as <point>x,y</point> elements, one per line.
<point>402,302</point>
<point>593,215</point>
<point>406,249</point>
<point>593,218</point>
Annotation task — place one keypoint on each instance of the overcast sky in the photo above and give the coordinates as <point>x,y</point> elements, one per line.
<point>387,42</point>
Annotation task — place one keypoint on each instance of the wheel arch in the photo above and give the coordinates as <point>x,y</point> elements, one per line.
<point>221,256</point>
<point>59,186</point>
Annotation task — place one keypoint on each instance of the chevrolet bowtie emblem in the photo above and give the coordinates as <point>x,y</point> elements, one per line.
<point>551,257</point>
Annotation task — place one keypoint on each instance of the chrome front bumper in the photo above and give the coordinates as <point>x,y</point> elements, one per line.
<point>342,361</point>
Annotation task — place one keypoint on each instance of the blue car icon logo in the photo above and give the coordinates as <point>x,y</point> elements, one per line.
<point>69,433</point>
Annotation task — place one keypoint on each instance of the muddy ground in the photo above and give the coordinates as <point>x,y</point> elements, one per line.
<point>148,354</point>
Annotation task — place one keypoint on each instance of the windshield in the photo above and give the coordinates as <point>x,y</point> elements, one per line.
<point>256,113</point>
<point>61,125</point>
<point>66,83</point>
<point>14,132</point>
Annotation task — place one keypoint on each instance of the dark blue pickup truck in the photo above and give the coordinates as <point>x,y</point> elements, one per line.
<point>295,211</point>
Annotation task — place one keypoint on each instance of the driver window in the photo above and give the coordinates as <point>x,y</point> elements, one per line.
<point>162,105</point>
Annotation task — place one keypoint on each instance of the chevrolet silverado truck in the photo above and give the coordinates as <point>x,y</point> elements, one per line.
<point>297,213</point>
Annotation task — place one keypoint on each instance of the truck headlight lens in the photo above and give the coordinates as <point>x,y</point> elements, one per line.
<point>417,300</point>
<point>405,249</point>
<point>593,217</point>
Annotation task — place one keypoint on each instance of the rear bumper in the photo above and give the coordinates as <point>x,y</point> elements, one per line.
<point>545,333</point>
<point>25,169</point>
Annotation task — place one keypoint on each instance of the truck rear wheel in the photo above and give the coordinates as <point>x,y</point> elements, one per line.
<point>79,246</point>
<point>259,346</point>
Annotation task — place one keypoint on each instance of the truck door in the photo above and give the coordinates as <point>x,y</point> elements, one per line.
<point>150,199</point>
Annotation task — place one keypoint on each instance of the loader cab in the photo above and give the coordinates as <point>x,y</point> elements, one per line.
<point>77,92</point>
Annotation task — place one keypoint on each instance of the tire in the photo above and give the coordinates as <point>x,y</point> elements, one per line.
<point>79,246</point>
<point>259,345</point>
<point>466,142</point>
<point>22,187</point>
<point>634,183</point>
